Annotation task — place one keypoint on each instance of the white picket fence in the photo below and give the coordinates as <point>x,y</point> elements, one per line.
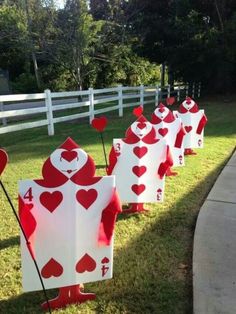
<point>17,109</point>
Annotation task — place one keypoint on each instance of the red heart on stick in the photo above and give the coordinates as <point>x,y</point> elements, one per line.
<point>139,170</point>
<point>163,131</point>
<point>188,128</point>
<point>138,188</point>
<point>51,200</point>
<point>3,160</point>
<point>52,269</point>
<point>138,111</point>
<point>140,151</point>
<point>86,198</point>
<point>99,123</point>
<point>170,100</point>
<point>69,155</point>
<point>86,263</point>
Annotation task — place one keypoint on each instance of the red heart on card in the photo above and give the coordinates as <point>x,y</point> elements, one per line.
<point>138,188</point>
<point>138,111</point>
<point>69,155</point>
<point>51,200</point>
<point>163,131</point>
<point>99,123</point>
<point>3,160</point>
<point>140,151</point>
<point>86,198</point>
<point>161,109</point>
<point>105,260</point>
<point>141,125</point>
<point>52,269</point>
<point>139,170</point>
<point>188,128</point>
<point>170,100</point>
<point>86,263</point>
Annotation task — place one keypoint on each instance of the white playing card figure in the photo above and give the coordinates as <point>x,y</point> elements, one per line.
<point>170,128</point>
<point>139,163</point>
<point>72,215</point>
<point>194,121</point>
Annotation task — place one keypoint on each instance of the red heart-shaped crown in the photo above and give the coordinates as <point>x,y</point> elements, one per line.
<point>99,123</point>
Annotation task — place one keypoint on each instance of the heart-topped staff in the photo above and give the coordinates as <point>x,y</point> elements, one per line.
<point>170,101</point>
<point>25,228</point>
<point>100,124</point>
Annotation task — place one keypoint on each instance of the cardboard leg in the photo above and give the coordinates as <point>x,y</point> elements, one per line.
<point>170,173</point>
<point>189,151</point>
<point>135,208</point>
<point>68,295</point>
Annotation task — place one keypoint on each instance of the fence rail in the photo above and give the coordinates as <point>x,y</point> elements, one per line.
<point>43,109</point>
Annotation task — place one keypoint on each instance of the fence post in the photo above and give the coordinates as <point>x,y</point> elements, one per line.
<point>141,95</point>
<point>187,88</point>
<point>178,93</point>
<point>157,95</point>
<point>199,90</point>
<point>120,100</point>
<point>4,120</point>
<point>91,105</point>
<point>48,103</point>
<point>168,91</point>
<point>193,90</point>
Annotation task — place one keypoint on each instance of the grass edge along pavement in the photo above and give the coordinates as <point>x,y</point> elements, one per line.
<point>152,253</point>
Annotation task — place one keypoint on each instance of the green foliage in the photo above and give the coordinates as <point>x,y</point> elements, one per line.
<point>152,252</point>
<point>25,83</point>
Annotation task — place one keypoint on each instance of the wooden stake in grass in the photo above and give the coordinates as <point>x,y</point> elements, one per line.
<point>100,124</point>
<point>3,163</point>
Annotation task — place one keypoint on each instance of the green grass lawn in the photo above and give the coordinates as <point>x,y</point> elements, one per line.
<point>152,254</point>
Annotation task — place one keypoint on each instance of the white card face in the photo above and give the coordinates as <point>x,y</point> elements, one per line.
<point>136,171</point>
<point>69,221</point>
<point>169,132</point>
<point>191,122</point>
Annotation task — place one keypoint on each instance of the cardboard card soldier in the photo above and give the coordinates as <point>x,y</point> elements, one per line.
<point>194,121</point>
<point>140,161</point>
<point>170,128</point>
<point>70,215</point>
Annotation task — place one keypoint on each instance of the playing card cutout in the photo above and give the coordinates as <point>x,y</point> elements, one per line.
<point>99,123</point>
<point>51,200</point>
<point>140,151</point>
<point>52,269</point>
<point>86,197</point>
<point>86,263</point>
<point>139,170</point>
<point>3,160</point>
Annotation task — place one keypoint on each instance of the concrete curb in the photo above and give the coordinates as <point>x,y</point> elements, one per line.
<point>214,251</point>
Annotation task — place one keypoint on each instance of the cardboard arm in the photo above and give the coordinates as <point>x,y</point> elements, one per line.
<point>201,124</point>
<point>112,161</point>
<point>179,137</point>
<point>164,166</point>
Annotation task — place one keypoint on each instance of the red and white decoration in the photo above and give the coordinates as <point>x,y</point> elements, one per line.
<point>170,128</point>
<point>194,121</point>
<point>139,162</point>
<point>69,216</point>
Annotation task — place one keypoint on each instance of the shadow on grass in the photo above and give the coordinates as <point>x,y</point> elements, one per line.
<point>4,244</point>
<point>152,273</point>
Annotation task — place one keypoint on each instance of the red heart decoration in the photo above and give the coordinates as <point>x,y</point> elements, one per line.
<point>52,269</point>
<point>141,125</point>
<point>138,188</point>
<point>51,200</point>
<point>170,100</point>
<point>105,260</point>
<point>69,155</point>
<point>99,123</point>
<point>139,170</point>
<point>162,109</point>
<point>140,151</point>
<point>86,263</point>
<point>188,128</point>
<point>3,160</point>
<point>138,111</point>
<point>86,198</point>
<point>163,131</point>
